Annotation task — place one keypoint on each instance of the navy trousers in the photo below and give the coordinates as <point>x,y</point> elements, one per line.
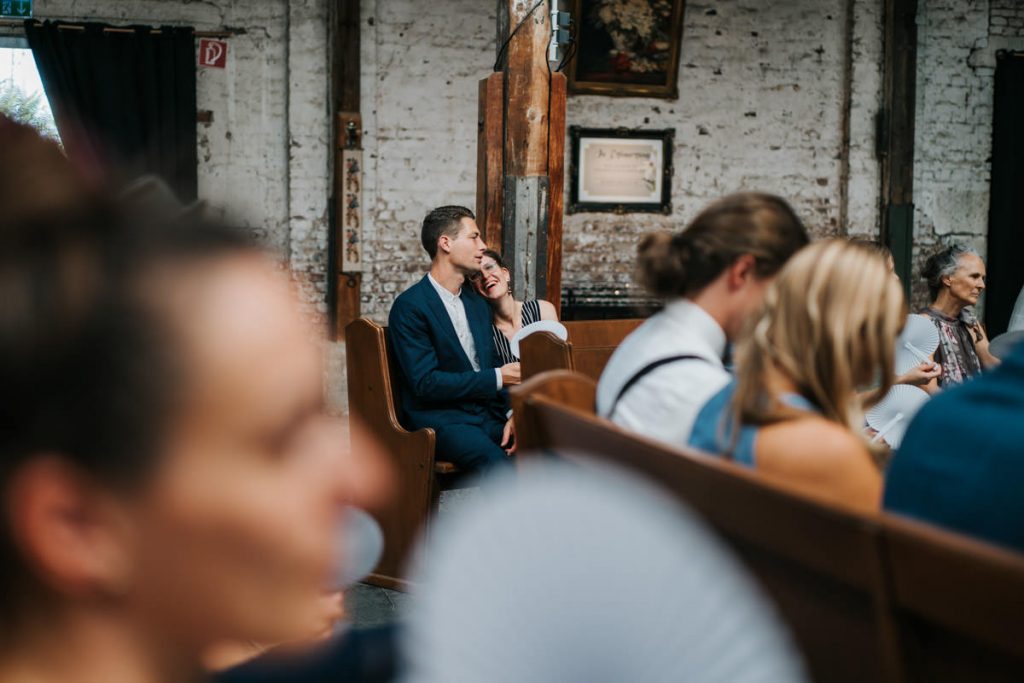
<point>472,447</point>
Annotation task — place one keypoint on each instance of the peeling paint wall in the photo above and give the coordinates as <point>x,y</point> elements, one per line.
<point>265,153</point>
<point>761,107</point>
<point>775,96</point>
<point>957,44</point>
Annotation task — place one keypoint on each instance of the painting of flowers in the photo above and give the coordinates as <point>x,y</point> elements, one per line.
<point>626,48</point>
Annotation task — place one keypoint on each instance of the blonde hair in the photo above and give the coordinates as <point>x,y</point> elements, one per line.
<point>829,325</point>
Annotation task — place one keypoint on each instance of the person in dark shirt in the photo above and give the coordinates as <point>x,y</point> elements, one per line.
<point>961,465</point>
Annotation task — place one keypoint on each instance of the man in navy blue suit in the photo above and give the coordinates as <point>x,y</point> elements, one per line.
<point>440,337</point>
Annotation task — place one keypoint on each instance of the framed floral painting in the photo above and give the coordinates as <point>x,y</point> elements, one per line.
<point>627,48</point>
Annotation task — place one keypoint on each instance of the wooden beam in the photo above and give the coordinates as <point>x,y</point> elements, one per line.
<point>344,289</point>
<point>896,132</point>
<point>527,90</point>
<point>489,148</point>
<point>345,68</point>
<point>556,176</point>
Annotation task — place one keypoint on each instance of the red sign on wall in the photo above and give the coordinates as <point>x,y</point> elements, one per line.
<point>213,53</point>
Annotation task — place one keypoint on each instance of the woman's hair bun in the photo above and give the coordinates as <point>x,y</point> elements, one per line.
<point>662,260</point>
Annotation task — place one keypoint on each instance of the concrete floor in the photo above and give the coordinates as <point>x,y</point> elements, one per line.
<point>372,606</point>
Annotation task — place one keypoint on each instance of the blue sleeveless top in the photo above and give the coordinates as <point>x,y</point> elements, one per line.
<point>712,431</point>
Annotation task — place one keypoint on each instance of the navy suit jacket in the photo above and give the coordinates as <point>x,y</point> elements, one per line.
<point>961,464</point>
<point>438,385</point>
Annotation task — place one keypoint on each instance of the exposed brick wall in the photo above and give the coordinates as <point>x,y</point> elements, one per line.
<point>765,91</point>
<point>419,90</point>
<point>957,42</point>
<point>760,107</point>
<point>264,155</point>
<point>1007,18</point>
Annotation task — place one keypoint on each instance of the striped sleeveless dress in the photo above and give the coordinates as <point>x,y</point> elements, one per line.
<point>531,314</point>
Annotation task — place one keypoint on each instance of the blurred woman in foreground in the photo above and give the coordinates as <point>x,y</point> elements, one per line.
<point>828,329</point>
<point>169,477</point>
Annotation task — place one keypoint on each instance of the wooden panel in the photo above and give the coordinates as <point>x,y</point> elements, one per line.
<point>590,361</point>
<point>345,48</point>
<point>347,286</point>
<point>590,346</point>
<point>526,92</point>
<point>896,138</point>
<point>821,564</point>
<point>961,604</point>
<point>542,352</point>
<point>343,290</point>
<point>562,386</point>
<point>348,301</point>
<point>490,158</point>
<point>372,400</point>
<point>600,332</point>
<point>556,188</point>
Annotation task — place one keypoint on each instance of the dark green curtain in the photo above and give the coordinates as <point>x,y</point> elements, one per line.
<point>1006,212</point>
<point>124,101</point>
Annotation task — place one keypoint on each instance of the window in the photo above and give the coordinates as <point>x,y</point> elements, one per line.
<point>22,97</point>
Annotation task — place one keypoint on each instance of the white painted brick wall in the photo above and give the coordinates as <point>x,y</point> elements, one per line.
<point>761,92</point>
<point>760,88</point>
<point>957,42</point>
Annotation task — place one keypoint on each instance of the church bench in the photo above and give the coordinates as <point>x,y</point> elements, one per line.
<point>958,604</point>
<point>867,597</point>
<point>820,564</point>
<point>419,476</point>
<point>590,345</point>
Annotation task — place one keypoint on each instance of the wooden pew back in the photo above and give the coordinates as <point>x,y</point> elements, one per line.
<point>868,597</point>
<point>590,345</point>
<point>959,604</point>
<point>372,398</point>
<point>821,564</point>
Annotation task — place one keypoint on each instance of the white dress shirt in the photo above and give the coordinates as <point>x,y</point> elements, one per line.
<point>457,313</point>
<point>664,403</point>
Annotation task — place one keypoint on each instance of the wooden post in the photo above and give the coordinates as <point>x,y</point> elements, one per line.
<point>896,133</point>
<point>489,162</point>
<point>556,176</point>
<point>344,289</point>
<point>520,208</point>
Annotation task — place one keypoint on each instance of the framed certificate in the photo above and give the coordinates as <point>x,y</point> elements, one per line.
<point>617,170</point>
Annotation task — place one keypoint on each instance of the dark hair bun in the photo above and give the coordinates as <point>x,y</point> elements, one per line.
<point>662,260</point>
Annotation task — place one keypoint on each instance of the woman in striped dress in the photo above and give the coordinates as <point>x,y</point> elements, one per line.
<point>508,315</point>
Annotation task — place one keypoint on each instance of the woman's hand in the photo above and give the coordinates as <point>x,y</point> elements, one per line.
<point>920,375</point>
<point>981,346</point>
<point>509,374</point>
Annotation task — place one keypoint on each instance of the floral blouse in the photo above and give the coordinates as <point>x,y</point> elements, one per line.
<point>956,351</point>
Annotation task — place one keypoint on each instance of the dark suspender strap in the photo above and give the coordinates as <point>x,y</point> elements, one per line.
<point>646,370</point>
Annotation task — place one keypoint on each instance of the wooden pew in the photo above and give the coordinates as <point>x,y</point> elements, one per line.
<point>373,398</point>
<point>959,604</point>
<point>822,565</point>
<point>590,345</point>
<point>867,597</point>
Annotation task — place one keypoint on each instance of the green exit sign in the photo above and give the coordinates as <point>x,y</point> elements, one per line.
<point>15,8</point>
